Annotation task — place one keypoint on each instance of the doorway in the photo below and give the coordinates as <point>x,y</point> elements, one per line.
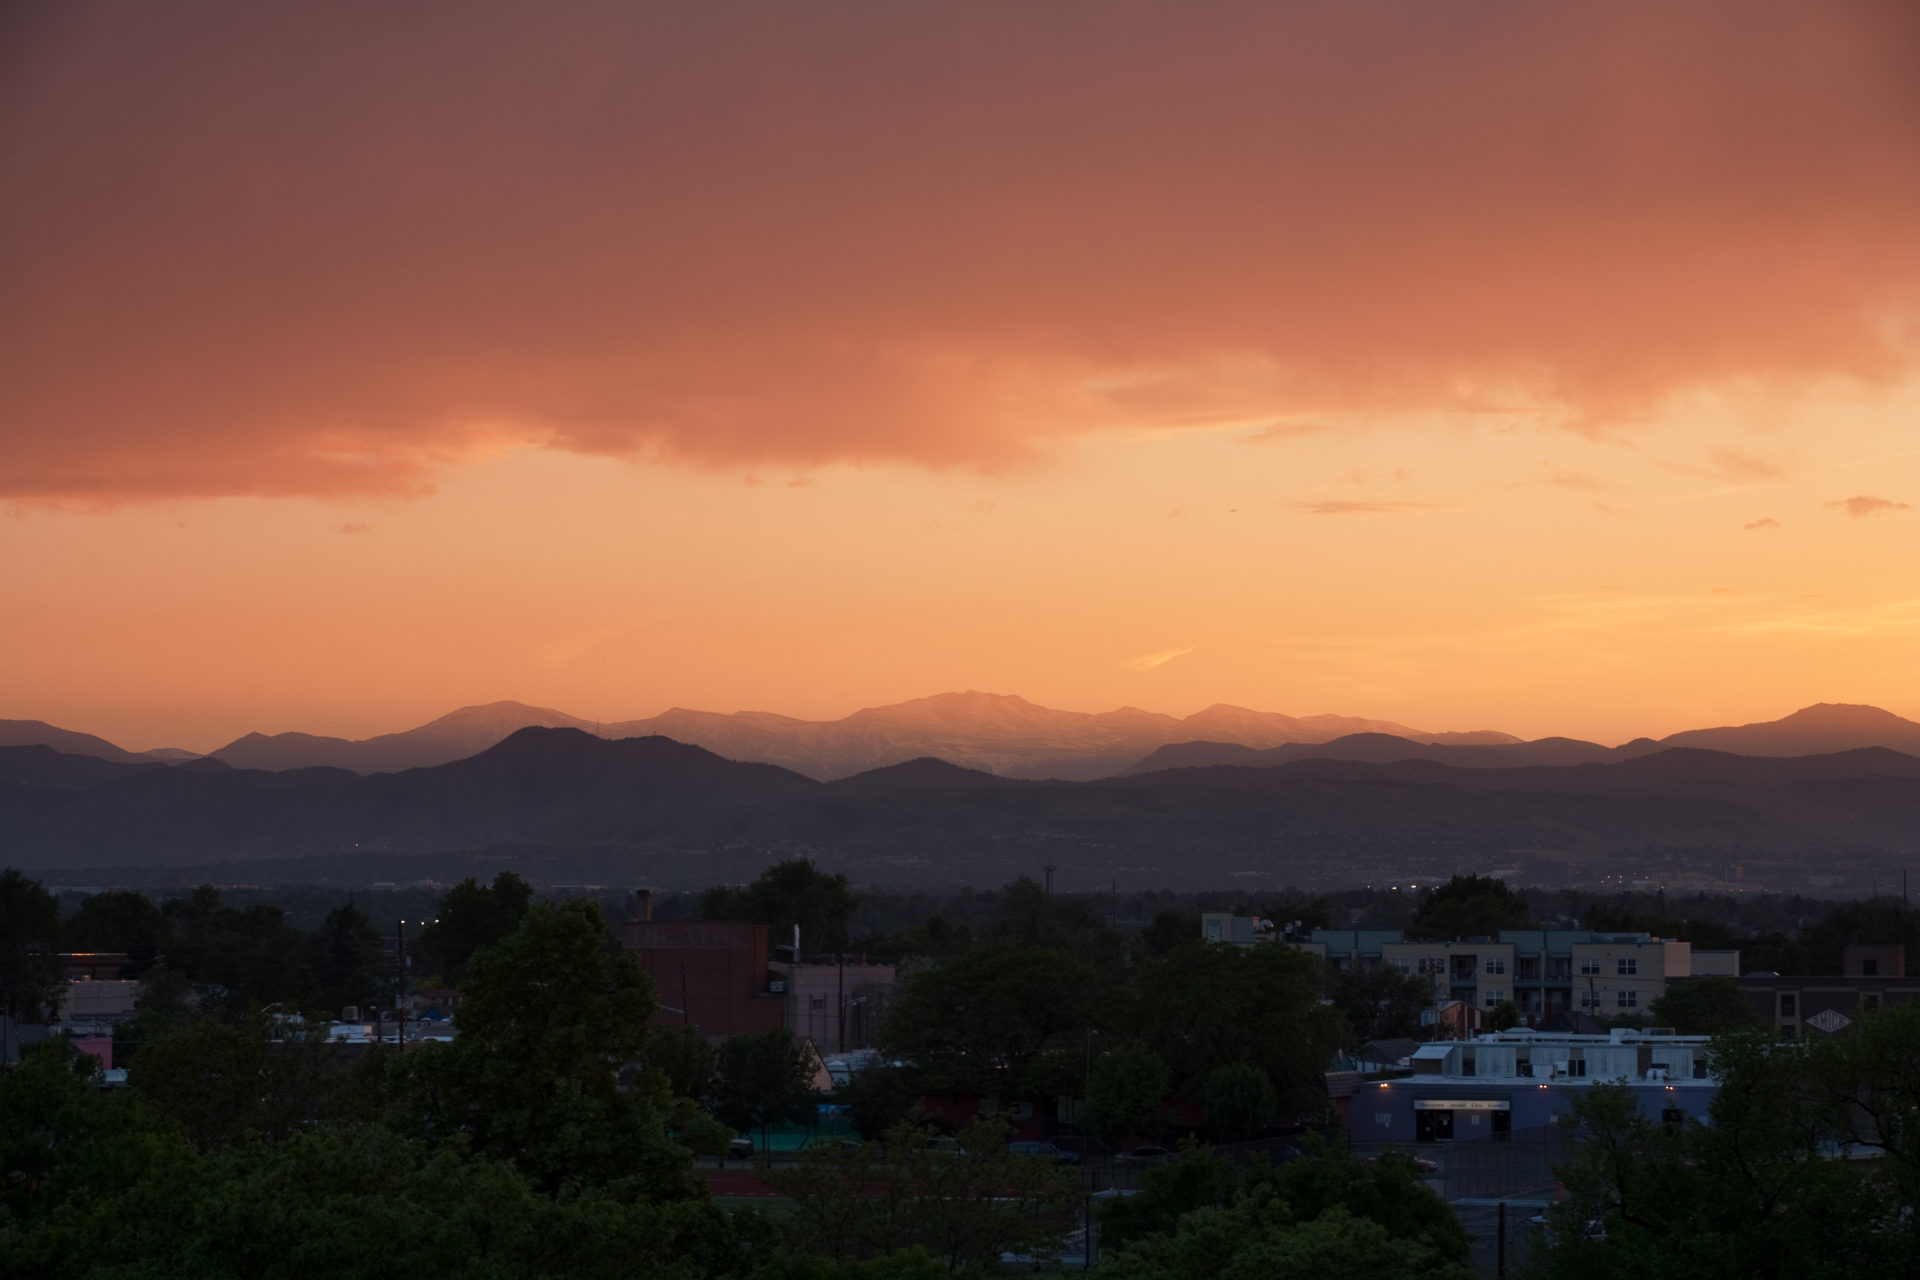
<point>1433,1126</point>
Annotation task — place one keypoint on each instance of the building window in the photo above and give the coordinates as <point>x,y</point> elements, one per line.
<point>1788,1009</point>
<point>1495,996</point>
<point>1870,1000</point>
<point>1402,964</point>
<point>1627,968</point>
<point>1699,1066</point>
<point>1869,968</point>
<point>1577,1065</point>
<point>1627,998</point>
<point>1496,964</point>
<point>1590,964</point>
<point>1466,1062</point>
<point>1589,999</point>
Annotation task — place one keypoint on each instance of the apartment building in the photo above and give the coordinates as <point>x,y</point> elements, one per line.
<point>1543,971</point>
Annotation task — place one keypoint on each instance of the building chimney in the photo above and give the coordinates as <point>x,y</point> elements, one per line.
<point>643,904</point>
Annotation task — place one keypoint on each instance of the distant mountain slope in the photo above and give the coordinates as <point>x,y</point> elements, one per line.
<point>38,733</point>
<point>1009,737</point>
<point>454,736</point>
<point>992,733</point>
<point>563,789</point>
<point>1822,729</point>
<point>1377,748</point>
<point>558,785</point>
<point>1816,730</point>
<point>39,765</point>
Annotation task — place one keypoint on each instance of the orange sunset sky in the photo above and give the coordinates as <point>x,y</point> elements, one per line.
<point>1552,368</point>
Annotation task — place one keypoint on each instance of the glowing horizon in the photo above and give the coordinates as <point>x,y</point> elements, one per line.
<point>1549,371</point>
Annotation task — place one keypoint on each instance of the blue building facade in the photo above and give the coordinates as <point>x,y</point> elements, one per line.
<point>1513,1082</point>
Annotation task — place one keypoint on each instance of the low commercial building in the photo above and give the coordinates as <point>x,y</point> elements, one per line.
<point>1515,1081</point>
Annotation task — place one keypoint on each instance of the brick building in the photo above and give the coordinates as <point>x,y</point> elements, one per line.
<point>1871,976</point>
<point>719,976</point>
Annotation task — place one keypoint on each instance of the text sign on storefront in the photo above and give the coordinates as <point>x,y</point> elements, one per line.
<point>1467,1104</point>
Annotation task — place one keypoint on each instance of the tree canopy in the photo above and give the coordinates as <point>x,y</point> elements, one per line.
<point>794,892</point>
<point>1708,1006</point>
<point>473,916</point>
<point>1471,906</point>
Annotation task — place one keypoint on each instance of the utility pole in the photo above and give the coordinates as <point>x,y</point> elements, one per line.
<point>400,984</point>
<point>840,1039</point>
<point>1049,879</point>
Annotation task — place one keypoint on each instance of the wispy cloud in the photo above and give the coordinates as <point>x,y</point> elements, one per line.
<point>1734,465</point>
<point>1148,661</point>
<point>1572,480</point>
<point>1866,505</point>
<point>1279,431</point>
<point>353,527</point>
<point>1764,522</point>
<point>1339,508</point>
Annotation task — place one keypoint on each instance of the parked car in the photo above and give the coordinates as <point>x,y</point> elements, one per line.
<point>1146,1155</point>
<point>740,1149</point>
<point>1425,1166</point>
<point>1044,1151</point>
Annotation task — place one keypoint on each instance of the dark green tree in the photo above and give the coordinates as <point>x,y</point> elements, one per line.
<point>118,920</point>
<point>877,1099</point>
<point>61,1138</point>
<point>473,916</point>
<point>764,1079</point>
<point>1128,1094</point>
<point>1503,1016</point>
<point>206,1075</point>
<point>1169,929</point>
<point>1238,1101</point>
<point>1709,1006</point>
<point>1379,1001</point>
<point>30,978</point>
<point>551,1019</point>
<point>1469,907</point>
<point>360,1203</point>
<point>980,1019</point>
<point>348,965</point>
<point>1258,1236</point>
<point>908,1264</point>
<point>685,1058</point>
<point>1209,1006</point>
<point>1760,1191</point>
<point>1324,1182</point>
<point>900,1193</point>
<point>241,957</point>
<point>1029,916</point>
<point>794,892</point>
